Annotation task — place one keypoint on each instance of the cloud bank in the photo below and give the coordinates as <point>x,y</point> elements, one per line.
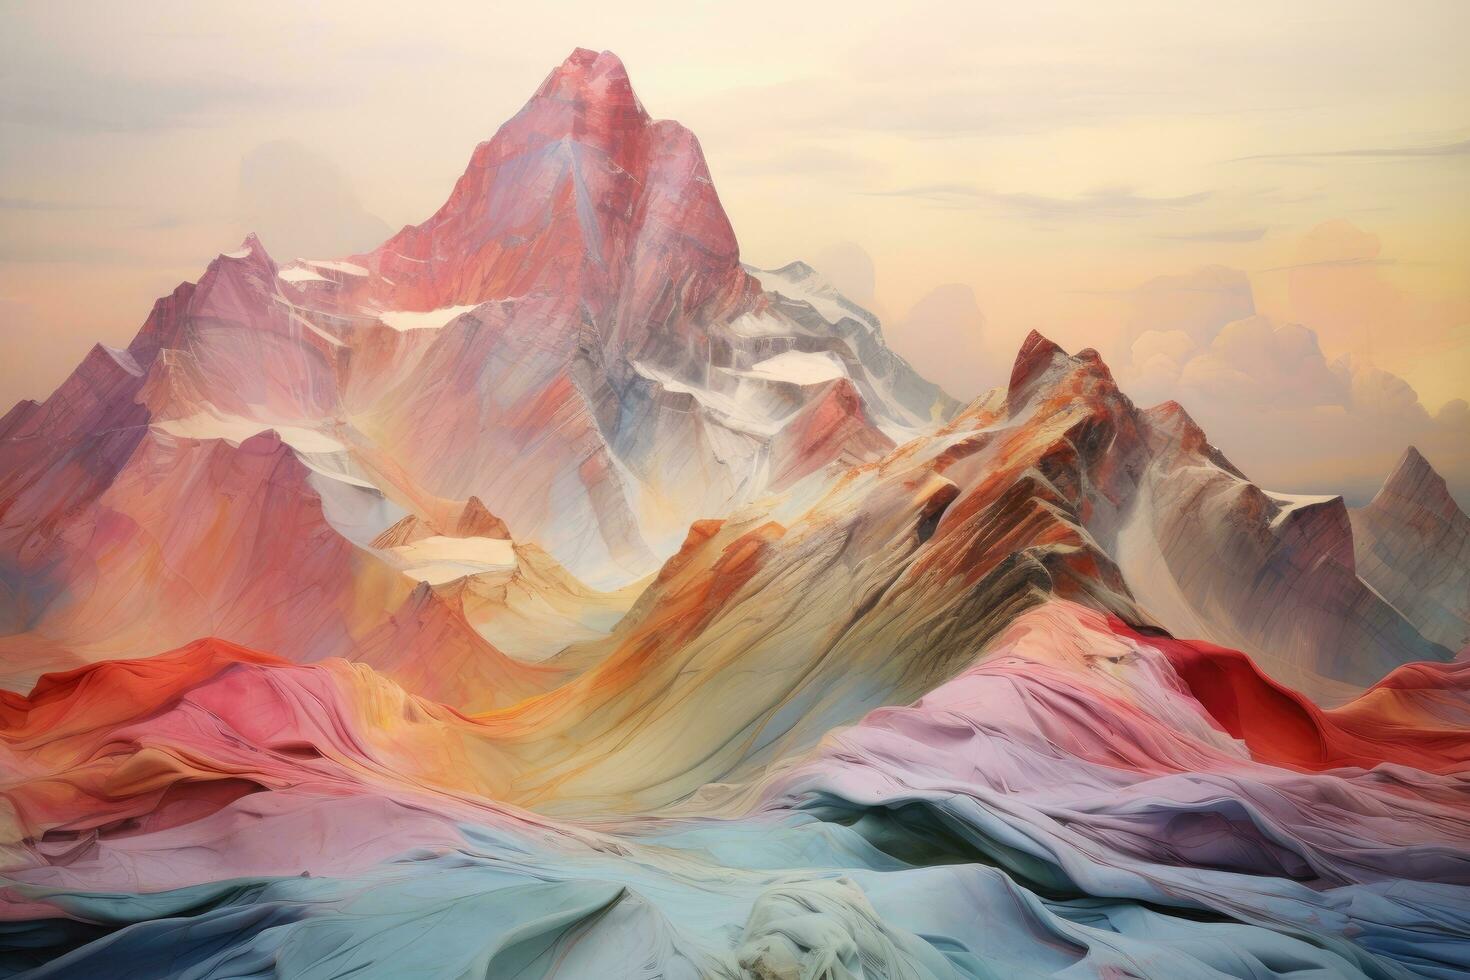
<point>1272,401</point>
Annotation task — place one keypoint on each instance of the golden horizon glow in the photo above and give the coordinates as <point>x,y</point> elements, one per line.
<point>1051,161</point>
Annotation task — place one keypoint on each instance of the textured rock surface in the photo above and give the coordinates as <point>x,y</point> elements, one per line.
<point>1209,554</point>
<point>547,594</point>
<point>1199,837</point>
<point>1412,545</point>
<point>570,344</point>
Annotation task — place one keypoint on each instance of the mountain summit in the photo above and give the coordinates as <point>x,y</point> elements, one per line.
<point>582,196</point>
<point>1413,547</point>
<point>570,340</point>
<point>550,595</point>
<point>571,344</point>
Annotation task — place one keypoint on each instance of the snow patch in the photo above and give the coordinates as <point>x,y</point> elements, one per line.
<point>1289,502</point>
<point>300,274</point>
<point>799,367</point>
<point>730,412</point>
<point>759,325</point>
<point>346,268</point>
<point>234,429</point>
<point>402,320</point>
<point>316,330</point>
<point>439,559</point>
<point>803,285</point>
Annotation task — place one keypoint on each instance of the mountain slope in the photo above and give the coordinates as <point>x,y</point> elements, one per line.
<point>571,340</point>
<point>200,537</point>
<point>216,807</point>
<point>1412,545</point>
<point>626,346</point>
<point>804,610</point>
<point>611,608</point>
<point>1211,555</point>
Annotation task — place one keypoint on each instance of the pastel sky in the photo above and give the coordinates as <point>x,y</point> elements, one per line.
<point>1261,209</point>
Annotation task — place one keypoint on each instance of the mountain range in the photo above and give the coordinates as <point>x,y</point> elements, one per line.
<point>546,592</point>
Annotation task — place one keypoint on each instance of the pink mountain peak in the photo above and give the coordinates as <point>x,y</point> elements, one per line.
<point>587,77</point>
<point>582,195</point>
<point>251,253</point>
<point>587,100</point>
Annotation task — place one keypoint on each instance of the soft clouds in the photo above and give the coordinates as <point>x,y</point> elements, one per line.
<point>1290,418</point>
<point>1336,285</point>
<point>1456,149</point>
<point>944,336</point>
<point>795,160</point>
<point>1198,303</point>
<point>1293,417</point>
<point>85,102</point>
<point>1049,154</point>
<point>1218,235</point>
<point>1255,363</point>
<point>300,203</point>
<point>1265,363</point>
<point>849,268</point>
<point>24,347</point>
<point>1102,202</point>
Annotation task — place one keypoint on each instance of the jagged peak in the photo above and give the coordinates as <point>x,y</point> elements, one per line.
<point>405,530</point>
<point>590,77</point>
<point>1037,353</point>
<point>1040,358</point>
<point>159,330</point>
<point>251,249</point>
<point>107,356</point>
<point>473,520</point>
<point>1416,480</point>
<point>642,189</point>
<point>476,521</point>
<point>427,600</point>
<point>842,392</point>
<point>584,59</point>
<point>583,62</point>
<point>1170,424</point>
<point>795,270</point>
<point>249,262</point>
<point>1412,467</point>
<point>1172,420</point>
<point>1318,523</point>
<point>16,421</point>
